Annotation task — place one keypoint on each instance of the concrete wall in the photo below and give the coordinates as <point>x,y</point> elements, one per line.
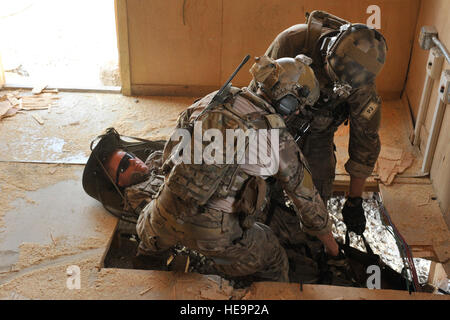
<point>192,46</point>
<point>433,13</point>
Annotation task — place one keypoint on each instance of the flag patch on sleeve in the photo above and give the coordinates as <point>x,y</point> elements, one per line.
<point>370,110</point>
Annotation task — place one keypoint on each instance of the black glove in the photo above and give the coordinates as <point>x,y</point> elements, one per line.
<point>353,214</point>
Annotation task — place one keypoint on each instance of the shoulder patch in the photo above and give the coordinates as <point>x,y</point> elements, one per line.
<point>275,121</point>
<point>370,110</point>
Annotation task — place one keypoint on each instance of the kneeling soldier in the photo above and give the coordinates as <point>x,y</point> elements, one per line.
<point>210,204</point>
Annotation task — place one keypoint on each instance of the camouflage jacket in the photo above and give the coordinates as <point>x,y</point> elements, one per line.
<point>220,187</point>
<point>362,108</point>
<point>140,194</point>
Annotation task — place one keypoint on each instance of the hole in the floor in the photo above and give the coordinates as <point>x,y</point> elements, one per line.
<point>305,259</point>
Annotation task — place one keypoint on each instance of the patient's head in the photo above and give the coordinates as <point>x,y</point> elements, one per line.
<point>125,168</point>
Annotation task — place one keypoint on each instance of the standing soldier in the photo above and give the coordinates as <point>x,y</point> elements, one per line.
<point>346,58</point>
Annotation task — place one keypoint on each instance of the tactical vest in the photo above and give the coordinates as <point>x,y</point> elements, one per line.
<point>139,195</point>
<point>199,183</point>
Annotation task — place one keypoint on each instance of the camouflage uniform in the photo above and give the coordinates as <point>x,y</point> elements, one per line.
<point>362,108</point>
<point>139,195</point>
<point>211,208</point>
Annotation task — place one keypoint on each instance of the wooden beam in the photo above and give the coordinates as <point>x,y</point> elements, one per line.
<point>2,73</point>
<point>437,276</point>
<point>123,45</point>
<point>171,90</point>
<point>90,89</point>
<point>293,291</point>
<point>342,183</point>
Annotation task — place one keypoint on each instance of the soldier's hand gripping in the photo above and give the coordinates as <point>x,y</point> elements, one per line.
<point>340,268</point>
<point>353,214</point>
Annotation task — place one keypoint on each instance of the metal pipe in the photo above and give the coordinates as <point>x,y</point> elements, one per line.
<point>442,47</point>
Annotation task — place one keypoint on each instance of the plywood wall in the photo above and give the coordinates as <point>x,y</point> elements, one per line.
<point>432,13</point>
<point>192,46</point>
<point>2,73</point>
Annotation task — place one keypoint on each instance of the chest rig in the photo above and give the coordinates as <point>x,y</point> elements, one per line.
<point>199,183</point>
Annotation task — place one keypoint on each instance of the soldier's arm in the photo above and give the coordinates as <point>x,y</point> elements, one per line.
<point>295,178</point>
<point>364,144</point>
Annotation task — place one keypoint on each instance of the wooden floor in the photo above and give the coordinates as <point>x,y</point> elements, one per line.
<point>48,223</point>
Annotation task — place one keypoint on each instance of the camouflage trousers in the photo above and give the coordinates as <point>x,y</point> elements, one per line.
<point>236,252</point>
<point>319,151</point>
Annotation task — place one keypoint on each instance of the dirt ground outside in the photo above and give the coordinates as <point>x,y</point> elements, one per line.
<point>62,43</point>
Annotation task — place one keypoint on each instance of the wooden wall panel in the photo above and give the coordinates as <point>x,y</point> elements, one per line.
<point>203,49</point>
<point>169,49</point>
<point>433,13</point>
<point>251,25</point>
<point>440,169</point>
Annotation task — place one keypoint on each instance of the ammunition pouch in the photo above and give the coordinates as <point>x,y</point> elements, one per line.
<point>189,231</point>
<point>197,182</point>
<point>252,201</point>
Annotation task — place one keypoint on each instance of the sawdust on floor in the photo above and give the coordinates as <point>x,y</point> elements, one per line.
<point>50,283</point>
<point>34,253</point>
<point>154,124</point>
<point>68,128</point>
<point>67,132</point>
<point>19,178</point>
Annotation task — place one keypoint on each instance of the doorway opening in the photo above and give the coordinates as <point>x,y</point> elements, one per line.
<point>60,44</point>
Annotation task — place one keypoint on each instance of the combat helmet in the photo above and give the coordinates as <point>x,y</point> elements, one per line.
<point>289,83</point>
<point>96,181</point>
<point>355,56</point>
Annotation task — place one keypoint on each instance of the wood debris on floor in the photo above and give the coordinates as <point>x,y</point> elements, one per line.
<point>39,88</point>
<point>8,106</point>
<point>15,101</point>
<point>391,162</point>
